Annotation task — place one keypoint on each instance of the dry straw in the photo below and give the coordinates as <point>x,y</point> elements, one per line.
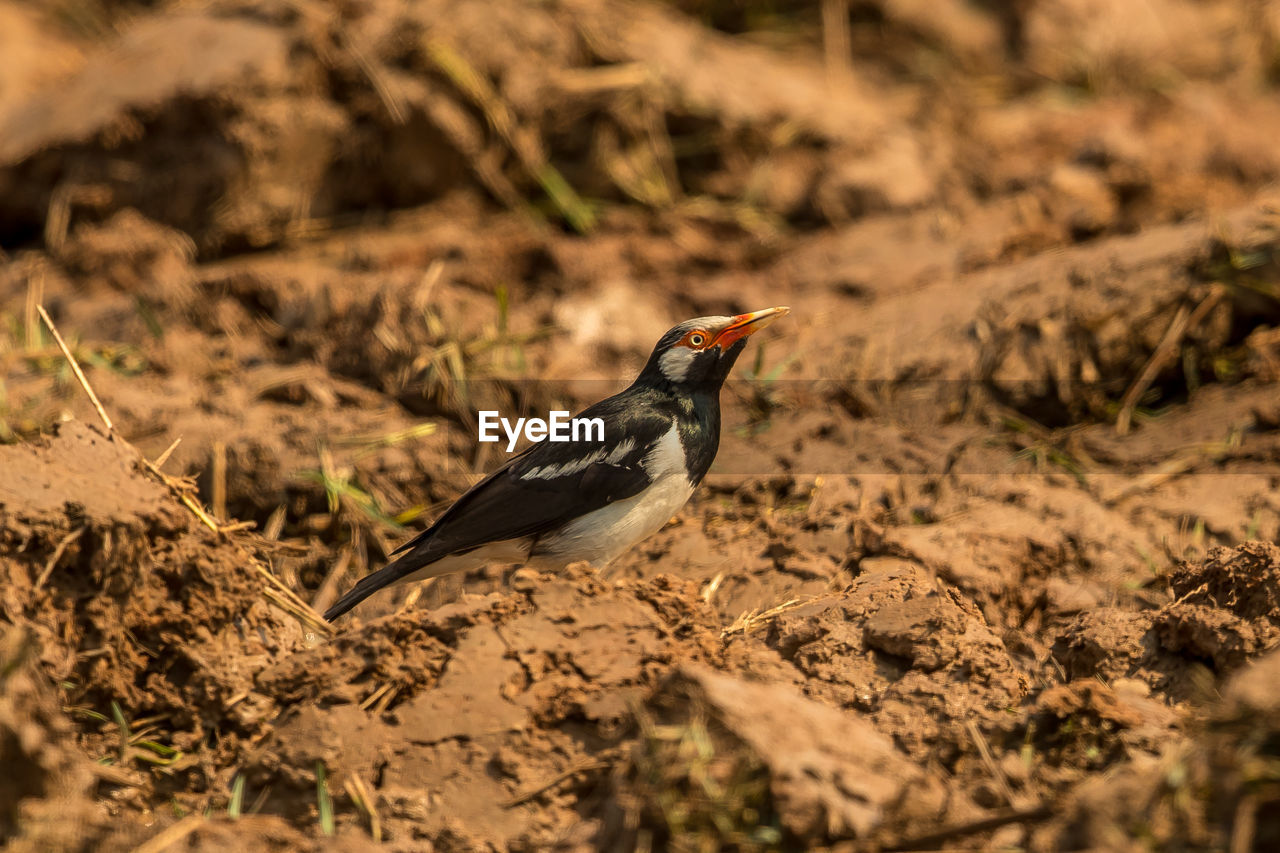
<point>281,596</point>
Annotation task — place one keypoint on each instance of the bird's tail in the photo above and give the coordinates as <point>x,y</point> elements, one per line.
<point>369,584</point>
<point>366,587</point>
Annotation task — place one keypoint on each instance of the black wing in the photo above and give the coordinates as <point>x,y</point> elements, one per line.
<point>512,504</point>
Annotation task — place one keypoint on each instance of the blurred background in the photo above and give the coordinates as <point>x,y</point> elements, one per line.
<point>263,221</point>
<point>1031,249</point>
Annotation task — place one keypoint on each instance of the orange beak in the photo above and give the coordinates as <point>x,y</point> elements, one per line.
<point>747,324</point>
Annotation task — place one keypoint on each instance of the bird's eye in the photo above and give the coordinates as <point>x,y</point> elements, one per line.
<point>697,339</point>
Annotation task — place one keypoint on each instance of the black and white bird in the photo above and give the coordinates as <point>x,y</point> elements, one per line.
<point>561,502</point>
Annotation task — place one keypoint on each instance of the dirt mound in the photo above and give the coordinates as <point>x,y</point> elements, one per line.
<point>289,145</point>
<point>511,691</point>
<point>1244,581</point>
<point>915,655</point>
<point>1215,792</point>
<point>48,784</point>
<point>302,114</point>
<point>151,623</point>
<point>717,751</point>
<point>1224,615</point>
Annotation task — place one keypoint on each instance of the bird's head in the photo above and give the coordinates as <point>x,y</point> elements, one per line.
<point>701,351</point>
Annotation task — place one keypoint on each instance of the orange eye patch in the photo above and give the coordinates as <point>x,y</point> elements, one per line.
<point>696,339</point>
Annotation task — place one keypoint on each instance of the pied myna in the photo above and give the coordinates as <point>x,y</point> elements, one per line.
<point>561,502</point>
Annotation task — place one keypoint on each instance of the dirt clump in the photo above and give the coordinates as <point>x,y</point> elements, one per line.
<point>138,611</point>
<point>508,689</point>
<point>48,785</point>
<point>794,769</point>
<point>903,648</point>
<point>1243,580</point>
<point>1223,617</point>
<point>1214,792</point>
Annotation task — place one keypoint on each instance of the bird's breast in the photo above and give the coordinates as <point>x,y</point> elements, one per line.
<point>601,536</point>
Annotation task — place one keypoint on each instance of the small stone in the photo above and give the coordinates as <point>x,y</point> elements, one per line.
<point>524,580</point>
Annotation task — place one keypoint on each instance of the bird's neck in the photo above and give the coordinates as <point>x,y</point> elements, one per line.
<point>700,431</point>
<point>696,410</point>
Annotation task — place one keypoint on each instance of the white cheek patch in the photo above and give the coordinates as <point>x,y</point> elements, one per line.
<point>675,362</point>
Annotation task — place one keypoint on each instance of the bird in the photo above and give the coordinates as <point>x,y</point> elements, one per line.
<point>569,501</point>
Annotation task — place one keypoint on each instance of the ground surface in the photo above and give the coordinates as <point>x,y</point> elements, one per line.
<point>935,594</point>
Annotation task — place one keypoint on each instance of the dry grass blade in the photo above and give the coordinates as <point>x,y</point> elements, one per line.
<point>120,776</point>
<point>1181,462</point>
<point>385,701</point>
<point>583,766</point>
<point>176,488</point>
<point>376,695</point>
<point>219,463</point>
<point>1245,825</point>
<point>935,840</point>
<point>635,169</point>
<point>1183,322</point>
<point>837,42</point>
<point>288,601</point>
<point>58,217</point>
<point>171,836</point>
<point>377,77</point>
<point>709,591</point>
<point>285,598</point>
<point>472,84</point>
<point>219,475</point>
<point>328,590</point>
<point>414,594</point>
<point>358,791</point>
<point>525,145</point>
<point>281,596</point>
<point>608,78</point>
<point>312,616</point>
<point>56,556</point>
<point>751,619</point>
<point>984,750</point>
<point>195,507</point>
<point>275,524</point>
<point>33,340</point>
<point>75,367</point>
<point>168,451</point>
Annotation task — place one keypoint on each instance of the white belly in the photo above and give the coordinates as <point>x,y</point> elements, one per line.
<point>508,551</point>
<point>601,536</point>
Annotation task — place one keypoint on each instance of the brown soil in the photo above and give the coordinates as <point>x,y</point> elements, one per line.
<point>933,595</point>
